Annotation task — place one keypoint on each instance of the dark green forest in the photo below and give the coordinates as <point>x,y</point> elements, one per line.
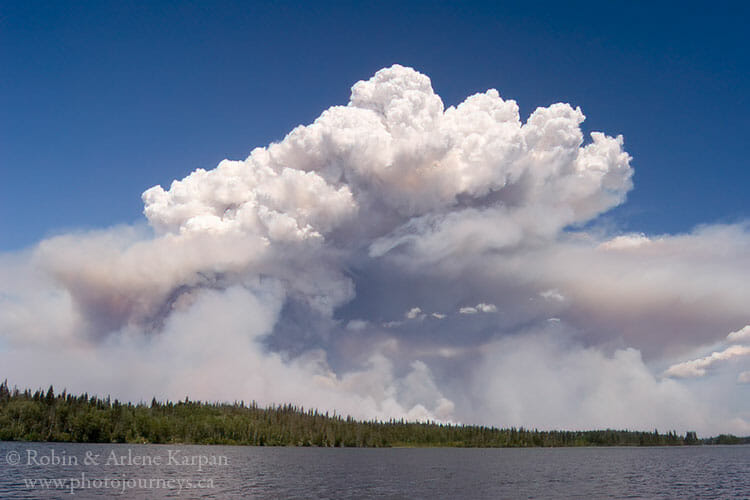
<point>47,416</point>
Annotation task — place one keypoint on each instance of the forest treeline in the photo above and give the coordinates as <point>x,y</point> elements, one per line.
<point>47,416</point>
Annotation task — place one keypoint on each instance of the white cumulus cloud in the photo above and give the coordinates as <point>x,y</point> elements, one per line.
<point>414,313</point>
<point>698,367</point>
<point>741,335</point>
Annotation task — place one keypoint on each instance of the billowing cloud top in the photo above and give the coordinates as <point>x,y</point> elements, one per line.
<point>381,261</point>
<point>393,160</point>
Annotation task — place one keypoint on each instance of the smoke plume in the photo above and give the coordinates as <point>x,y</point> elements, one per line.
<point>395,258</point>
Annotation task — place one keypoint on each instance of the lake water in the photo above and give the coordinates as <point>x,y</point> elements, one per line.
<point>59,470</point>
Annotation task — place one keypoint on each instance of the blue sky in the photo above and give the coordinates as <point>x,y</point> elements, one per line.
<point>101,100</point>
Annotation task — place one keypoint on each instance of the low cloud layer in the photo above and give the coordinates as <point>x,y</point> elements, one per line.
<point>701,366</point>
<point>395,259</point>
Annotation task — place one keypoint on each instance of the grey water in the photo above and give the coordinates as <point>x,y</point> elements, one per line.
<point>63,470</point>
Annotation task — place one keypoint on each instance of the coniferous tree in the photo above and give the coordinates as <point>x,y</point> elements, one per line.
<point>64,417</point>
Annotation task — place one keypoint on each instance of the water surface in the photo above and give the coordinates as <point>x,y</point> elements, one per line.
<point>171,471</point>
